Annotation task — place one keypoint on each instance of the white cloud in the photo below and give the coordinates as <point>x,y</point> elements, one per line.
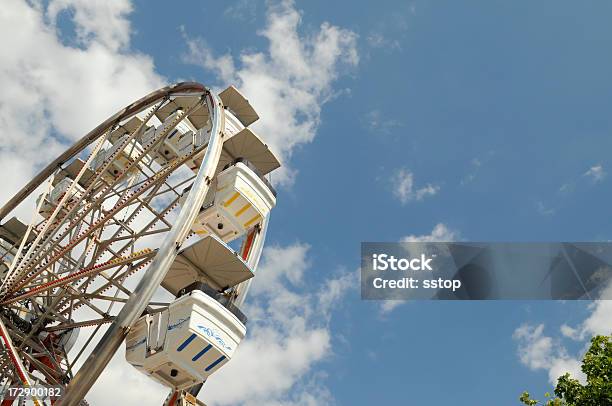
<point>387,306</point>
<point>570,332</point>
<point>243,10</point>
<point>289,333</point>
<point>544,209</point>
<point>598,322</point>
<point>377,39</point>
<point>391,28</point>
<point>440,232</point>
<point>282,264</point>
<point>596,173</point>
<point>122,384</point>
<point>97,21</point>
<point>290,82</point>
<point>377,123</point>
<point>535,349</point>
<point>540,352</point>
<point>567,188</point>
<point>404,189</point>
<point>336,288</point>
<point>476,165</point>
<point>53,92</point>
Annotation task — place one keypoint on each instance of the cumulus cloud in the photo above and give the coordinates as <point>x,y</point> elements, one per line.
<point>387,306</point>
<point>376,122</point>
<point>289,333</point>
<point>404,189</point>
<point>544,209</point>
<point>289,82</point>
<point>379,40</point>
<point>541,352</point>
<point>53,92</point>
<point>391,28</point>
<point>122,384</point>
<point>96,21</point>
<point>596,173</point>
<point>242,10</point>
<point>440,232</point>
<point>598,322</point>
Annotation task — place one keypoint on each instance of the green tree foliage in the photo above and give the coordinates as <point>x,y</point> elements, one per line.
<point>597,366</point>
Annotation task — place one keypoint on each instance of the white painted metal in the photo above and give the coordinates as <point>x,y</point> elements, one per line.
<point>208,260</point>
<point>50,201</point>
<point>241,201</point>
<point>196,338</point>
<point>125,156</point>
<point>178,142</point>
<point>248,145</point>
<point>239,105</point>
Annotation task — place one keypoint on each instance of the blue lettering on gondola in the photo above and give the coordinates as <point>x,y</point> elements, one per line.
<point>178,323</point>
<point>212,333</point>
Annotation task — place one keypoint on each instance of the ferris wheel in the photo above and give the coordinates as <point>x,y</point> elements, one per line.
<point>146,232</point>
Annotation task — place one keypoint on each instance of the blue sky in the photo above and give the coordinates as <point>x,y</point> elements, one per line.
<point>520,89</point>
<point>487,119</point>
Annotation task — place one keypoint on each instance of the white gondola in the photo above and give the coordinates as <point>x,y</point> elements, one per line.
<point>125,129</point>
<point>5,264</point>
<point>240,107</point>
<point>72,171</point>
<point>241,197</point>
<point>240,200</point>
<point>178,142</point>
<point>124,158</point>
<point>196,335</point>
<point>208,260</point>
<point>185,344</point>
<point>248,145</point>
<point>56,194</point>
<point>238,115</point>
<point>198,118</point>
<point>14,230</point>
<point>11,233</point>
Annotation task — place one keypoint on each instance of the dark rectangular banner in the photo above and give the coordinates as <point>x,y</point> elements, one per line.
<point>485,271</point>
